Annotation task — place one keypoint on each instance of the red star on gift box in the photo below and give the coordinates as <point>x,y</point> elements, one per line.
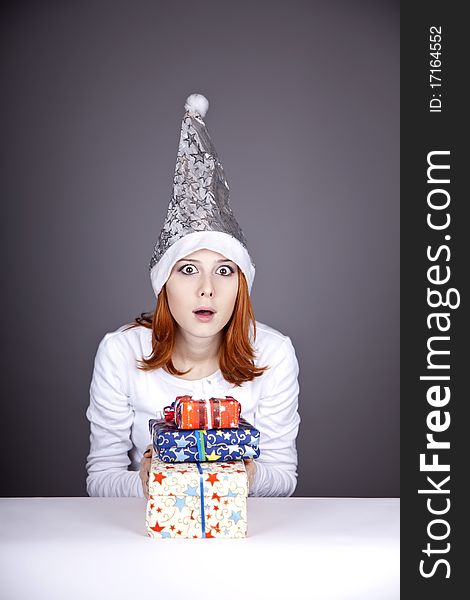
<point>159,509</point>
<point>216,508</point>
<point>215,497</point>
<point>158,477</point>
<point>212,478</point>
<point>151,506</point>
<point>209,535</point>
<point>178,532</point>
<point>157,528</point>
<point>225,501</point>
<point>217,528</point>
<point>172,527</point>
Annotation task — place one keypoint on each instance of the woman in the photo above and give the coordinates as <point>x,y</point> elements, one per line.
<point>201,340</point>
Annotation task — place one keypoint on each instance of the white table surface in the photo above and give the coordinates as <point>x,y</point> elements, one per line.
<point>87,548</point>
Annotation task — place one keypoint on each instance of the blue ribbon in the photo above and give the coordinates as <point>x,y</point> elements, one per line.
<point>201,486</point>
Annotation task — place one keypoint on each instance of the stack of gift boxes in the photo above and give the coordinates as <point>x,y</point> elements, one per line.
<point>198,483</point>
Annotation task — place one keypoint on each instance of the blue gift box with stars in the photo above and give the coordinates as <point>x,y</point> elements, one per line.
<point>201,445</point>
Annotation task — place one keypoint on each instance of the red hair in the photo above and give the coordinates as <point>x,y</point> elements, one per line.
<point>236,354</point>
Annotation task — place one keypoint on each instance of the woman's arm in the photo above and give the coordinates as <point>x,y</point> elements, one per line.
<point>111,418</point>
<point>278,421</point>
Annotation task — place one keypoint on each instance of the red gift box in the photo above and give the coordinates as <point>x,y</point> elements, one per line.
<point>215,413</point>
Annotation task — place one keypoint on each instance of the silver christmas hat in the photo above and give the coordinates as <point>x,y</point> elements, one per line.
<point>199,214</point>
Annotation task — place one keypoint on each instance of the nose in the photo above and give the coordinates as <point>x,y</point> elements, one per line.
<point>206,288</point>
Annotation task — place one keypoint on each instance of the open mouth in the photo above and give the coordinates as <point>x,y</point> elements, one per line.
<point>204,314</point>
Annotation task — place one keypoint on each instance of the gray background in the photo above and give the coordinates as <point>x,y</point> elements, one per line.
<point>304,113</point>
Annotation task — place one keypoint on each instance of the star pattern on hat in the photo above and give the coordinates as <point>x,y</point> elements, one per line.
<point>198,157</point>
<point>190,138</point>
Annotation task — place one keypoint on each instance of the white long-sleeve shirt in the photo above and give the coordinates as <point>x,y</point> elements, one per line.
<point>123,399</point>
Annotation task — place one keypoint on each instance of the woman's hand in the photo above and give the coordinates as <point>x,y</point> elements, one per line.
<point>250,467</point>
<point>144,471</point>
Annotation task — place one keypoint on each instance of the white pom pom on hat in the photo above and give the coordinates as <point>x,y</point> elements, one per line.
<point>197,103</point>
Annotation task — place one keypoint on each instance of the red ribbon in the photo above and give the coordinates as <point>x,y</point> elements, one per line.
<point>169,412</point>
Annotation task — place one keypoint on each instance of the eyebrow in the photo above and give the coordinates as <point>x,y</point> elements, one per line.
<point>222,260</point>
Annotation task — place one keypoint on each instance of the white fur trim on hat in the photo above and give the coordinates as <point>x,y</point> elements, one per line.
<point>216,241</point>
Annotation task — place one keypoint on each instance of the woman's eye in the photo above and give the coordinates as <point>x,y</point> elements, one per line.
<point>225,270</point>
<point>188,269</point>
